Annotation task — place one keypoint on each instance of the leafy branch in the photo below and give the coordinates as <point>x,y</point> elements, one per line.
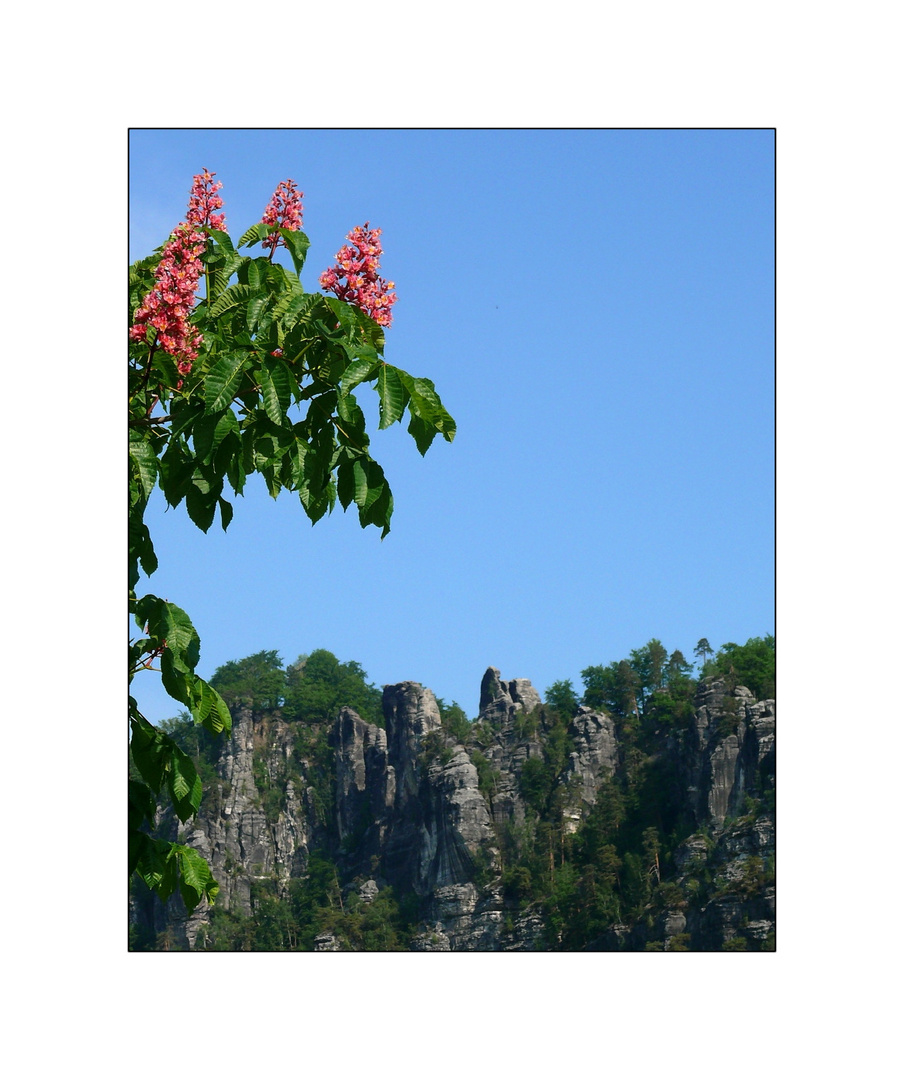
<point>225,379</point>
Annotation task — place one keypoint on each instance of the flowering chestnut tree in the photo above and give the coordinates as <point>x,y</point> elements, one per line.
<point>233,370</point>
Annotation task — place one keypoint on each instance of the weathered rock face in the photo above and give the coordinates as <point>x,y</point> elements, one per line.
<point>734,741</point>
<point>234,832</point>
<point>504,706</point>
<point>411,714</point>
<point>743,907</point>
<point>424,819</point>
<point>499,696</point>
<point>409,809</point>
<point>236,829</point>
<point>593,759</point>
<point>365,781</point>
<point>465,919</point>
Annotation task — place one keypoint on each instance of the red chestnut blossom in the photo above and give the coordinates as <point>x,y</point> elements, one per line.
<point>203,200</point>
<point>283,211</point>
<point>358,265</point>
<point>167,307</point>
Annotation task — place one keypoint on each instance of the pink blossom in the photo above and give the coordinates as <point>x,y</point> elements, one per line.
<point>203,200</point>
<point>358,265</point>
<point>283,211</point>
<point>168,305</point>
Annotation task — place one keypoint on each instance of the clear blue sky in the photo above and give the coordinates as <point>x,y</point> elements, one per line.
<point>596,309</point>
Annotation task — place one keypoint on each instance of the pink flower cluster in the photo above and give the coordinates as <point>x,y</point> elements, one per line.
<point>204,200</point>
<point>283,211</point>
<point>168,305</point>
<point>358,264</point>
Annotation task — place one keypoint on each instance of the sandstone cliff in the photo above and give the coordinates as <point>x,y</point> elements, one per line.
<point>451,826</point>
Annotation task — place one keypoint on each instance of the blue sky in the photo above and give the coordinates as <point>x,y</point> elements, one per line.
<point>596,309</point>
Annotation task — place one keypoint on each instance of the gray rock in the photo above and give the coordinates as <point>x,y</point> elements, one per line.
<point>523,693</point>
<point>491,688</point>
<point>593,760</point>
<point>434,940</point>
<point>409,813</point>
<point>507,696</point>
<point>368,891</point>
<point>674,923</point>
<point>327,942</point>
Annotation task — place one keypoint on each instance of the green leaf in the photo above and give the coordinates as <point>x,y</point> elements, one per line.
<point>292,305</point>
<point>162,866</point>
<point>230,298</point>
<point>155,863</point>
<point>422,433</point>
<point>255,234</point>
<point>255,310</point>
<point>225,513</point>
<point>210,710</point>
<point>144,459</point>
<point>270,396</point>
<point>276,388</point>
<point>317,503</point>
<point>292,465</point>
<point>272,480</point>
<point>223,239</point>
<point>353,421</point>
<point>362,488</point>
<point>297,245</point>
<point>266,452</point>
<point>171,630</point>
<point>183,783</point>
<point>255,271</point>
<point>176,471</point>
<point>225,424</point>
<point>393,395</point>
<point>201,500</point>
<point>141,549</point>
<point>425,404</point>
<point>355,325</point>
<point>203,434</point>
<point>359,371</point>
<point>183,415</point>
<point>196,881</point>
<point>176,681</point>
<point>165,620</point>
<point>235,466</point>
<point>226,449</point>
<point>223,261</point>
<point>372,494</point>
<point>345,482</point>
<point>223,380</point>
<point>142,805</point>
<point>148,751</point>
<point>379,512</point>
<point>160,760</point>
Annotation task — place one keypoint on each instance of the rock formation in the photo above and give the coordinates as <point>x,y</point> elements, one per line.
<point>410,808</point>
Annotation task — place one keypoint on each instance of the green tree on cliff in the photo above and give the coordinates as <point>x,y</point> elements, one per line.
<point>703,649</point>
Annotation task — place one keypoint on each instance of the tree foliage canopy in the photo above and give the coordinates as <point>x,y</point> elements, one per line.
<point>751,664</point>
